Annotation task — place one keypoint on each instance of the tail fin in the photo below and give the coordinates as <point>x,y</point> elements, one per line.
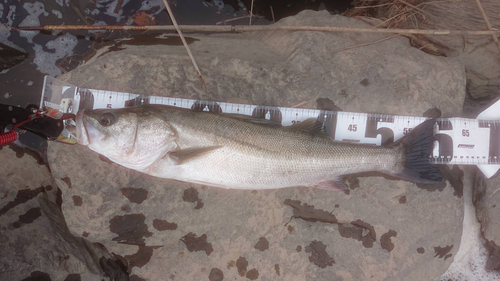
<point>417,146</point>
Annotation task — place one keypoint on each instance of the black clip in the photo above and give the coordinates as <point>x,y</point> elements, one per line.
<point>44,126</point>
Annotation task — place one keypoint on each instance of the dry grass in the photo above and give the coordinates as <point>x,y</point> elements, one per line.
<point>393,13</point>
<point>407,14</point>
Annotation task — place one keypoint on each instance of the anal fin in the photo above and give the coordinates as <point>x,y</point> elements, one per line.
<point>332,185</point>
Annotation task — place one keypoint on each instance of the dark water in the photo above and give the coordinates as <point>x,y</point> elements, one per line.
<point>54,53</point>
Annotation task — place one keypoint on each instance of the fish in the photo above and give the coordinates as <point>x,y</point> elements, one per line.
<point>241,152</point>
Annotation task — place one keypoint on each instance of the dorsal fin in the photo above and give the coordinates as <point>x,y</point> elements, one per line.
<point>310,125</point>
<point>251,119</point>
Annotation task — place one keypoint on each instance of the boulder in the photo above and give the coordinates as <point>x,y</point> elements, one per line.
<point>487,202</point>
<point>36,243</point>
<point>472,259</point>
<point>285,69</point>
<point>379,229</point>
<point>478,53</point>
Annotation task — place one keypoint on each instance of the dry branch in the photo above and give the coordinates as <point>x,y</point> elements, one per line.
<point>233,19</point>
<point>195,65</point>
<point>251,12</point>
<point>487,22</point>
<point>364,44</point>
<point>243,28</point>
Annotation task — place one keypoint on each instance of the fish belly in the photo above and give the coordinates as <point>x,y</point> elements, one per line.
<point>233,169</point>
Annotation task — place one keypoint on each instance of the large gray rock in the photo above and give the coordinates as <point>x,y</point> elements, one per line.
<point>286,68</point>
<point>379,229</point>
<point>471,260</point>
<point>36,243</point>
<point>487,202</point>
<point>478,53</point>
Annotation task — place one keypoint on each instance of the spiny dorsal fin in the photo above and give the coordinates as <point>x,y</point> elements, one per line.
<point>251,119</point>
<point>310,125</point>
<point>183,155</point>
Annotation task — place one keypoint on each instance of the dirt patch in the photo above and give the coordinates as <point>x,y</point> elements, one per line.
<point>319,256</point>
<point>191,195</point>
<point>28,217</point>
<point>77,200</point>
<point>216,275</point>
<point>442,252</point>
<point>142,257</point>
<point>262,244</point>
<point>242,265</point>
<point>196,244</point>
<point>22,196</point>
<point>162,225</point>
<point>359,230</point>
<point>131,228</point>
<point>385,240</point>
<point>135,195</point>
<point>252,274</point>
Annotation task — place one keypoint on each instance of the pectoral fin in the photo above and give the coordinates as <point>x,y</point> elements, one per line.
<point>333,185</point>
<point>184,155</point>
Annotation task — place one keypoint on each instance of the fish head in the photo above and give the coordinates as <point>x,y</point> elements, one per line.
<point>132,137</point>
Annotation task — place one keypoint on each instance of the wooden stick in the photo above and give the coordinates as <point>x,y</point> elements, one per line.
<point>487,22</point>
<point>374,6</point>
<point>185,43</point>
<point>251,12</point>
<point>118,6</point>
<point>233,19</point>
<point>364,44</point>
<point>272,13</point>
<point>77,11</point>
<point>465,44</point>
<point>243,28</point>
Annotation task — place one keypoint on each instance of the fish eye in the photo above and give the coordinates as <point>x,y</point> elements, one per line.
<point>107,119</point>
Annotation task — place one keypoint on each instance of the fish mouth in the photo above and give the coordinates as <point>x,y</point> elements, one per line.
<point>85,131</point>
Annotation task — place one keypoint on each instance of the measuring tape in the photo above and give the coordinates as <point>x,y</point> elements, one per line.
<point>458,140</point>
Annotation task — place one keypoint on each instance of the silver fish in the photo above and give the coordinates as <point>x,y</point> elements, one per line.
<point>243,153</point>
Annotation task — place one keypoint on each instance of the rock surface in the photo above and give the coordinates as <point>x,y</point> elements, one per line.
<point>479,54</point>
<point>472,257</point>
<point>487,202</point>
<point>379,229</point>
<point>285,69</point>
<point>36,243</point>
